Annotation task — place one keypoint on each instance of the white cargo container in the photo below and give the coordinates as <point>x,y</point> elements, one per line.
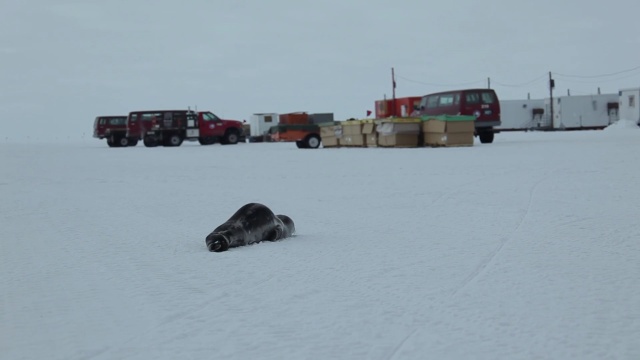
<point>260,123</point>
<point>629,104</point>
<point>583,111</point>
<point>521,114</point>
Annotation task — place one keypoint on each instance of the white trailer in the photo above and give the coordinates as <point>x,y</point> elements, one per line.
<point>261,123</point>
<point>583,112</point>
<point>630,104</point>
<point>521,114</point>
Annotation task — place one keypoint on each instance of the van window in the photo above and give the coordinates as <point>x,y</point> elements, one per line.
<point>102,121</point>
<point>117,121</point>
<point>472,98</point>
<point>446,100</point>
<point>432,102</point>
<point>151,116</point>
<point>488,98</point>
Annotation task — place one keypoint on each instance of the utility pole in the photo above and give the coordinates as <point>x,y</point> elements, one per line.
<point>488,83</point>
<point>552,84</point>
<point>393,82</point>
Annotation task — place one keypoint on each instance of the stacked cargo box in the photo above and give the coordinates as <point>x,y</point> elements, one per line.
<point>330,134</point>
<point>352,135</point>
<point>370,133</point>
<point>398,132</point>
<point>447,130</point>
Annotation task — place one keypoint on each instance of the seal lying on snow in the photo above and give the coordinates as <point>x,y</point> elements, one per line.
<point>251,224</point>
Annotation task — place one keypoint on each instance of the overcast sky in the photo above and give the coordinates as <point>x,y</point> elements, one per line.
<point>64,62</point>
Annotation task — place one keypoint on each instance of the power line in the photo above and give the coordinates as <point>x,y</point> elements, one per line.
<point>598,81</point>
<point>521,84</point>
<point>434,84</point>
<point>599,76</point>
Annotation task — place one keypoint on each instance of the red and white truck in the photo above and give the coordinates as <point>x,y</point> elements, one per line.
<point>172,127</point>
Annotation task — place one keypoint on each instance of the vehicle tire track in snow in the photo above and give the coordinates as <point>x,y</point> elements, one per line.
<point>399,347</point>
<point>481,268</point>
<point>441,196</point>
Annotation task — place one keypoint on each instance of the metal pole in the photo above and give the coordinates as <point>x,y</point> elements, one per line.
<point>551,86</point>
<point>393,81</point>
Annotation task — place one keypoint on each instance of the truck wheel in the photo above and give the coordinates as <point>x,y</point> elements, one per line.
<point>301,144</point>
<point>174,140</point>
<point>123,142</point>
<point>312,141</point>
<point>486,137</point>
<point>133,141</point>
<point>206,140</point>
<point>230,138</point>
<point>110,142</point>
<point>150,141</point>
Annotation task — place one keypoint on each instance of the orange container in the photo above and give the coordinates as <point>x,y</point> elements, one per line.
<point>294,118</point>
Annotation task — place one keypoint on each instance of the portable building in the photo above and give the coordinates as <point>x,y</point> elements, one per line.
<point>521,114</point>
<point>398,107</point>
<point>261,123</point>
<point>583,112</point>
<point>629,100</point>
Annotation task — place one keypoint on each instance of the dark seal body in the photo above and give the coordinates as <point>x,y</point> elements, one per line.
<point>251,224</point>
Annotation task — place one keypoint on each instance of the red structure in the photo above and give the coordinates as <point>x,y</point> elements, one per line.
<point>398,107</point>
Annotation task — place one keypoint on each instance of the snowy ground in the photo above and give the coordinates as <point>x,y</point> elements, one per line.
<point>527,248</point>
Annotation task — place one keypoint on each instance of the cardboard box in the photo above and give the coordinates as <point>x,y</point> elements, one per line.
<point>370,134</point>
<point>327,130</point>
<point>371,140</point>
<point>398,127</point>
<point>398,140</point>
<point>448,130</point>
<point>445,126</point>
<point>352,127</point>
<point>330,141</point>
<point>353,140</point>
<point>449,140</point>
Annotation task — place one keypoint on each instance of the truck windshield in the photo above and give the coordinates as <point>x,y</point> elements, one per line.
<point>208,116</point>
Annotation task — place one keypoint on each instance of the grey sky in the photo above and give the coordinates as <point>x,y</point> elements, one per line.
<point>64,62</point>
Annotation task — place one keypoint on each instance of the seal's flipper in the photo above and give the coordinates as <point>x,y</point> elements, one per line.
<point>273,234</point>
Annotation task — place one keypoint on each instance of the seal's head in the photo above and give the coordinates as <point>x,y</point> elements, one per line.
<point>289,227</point>
<point>217,242</point>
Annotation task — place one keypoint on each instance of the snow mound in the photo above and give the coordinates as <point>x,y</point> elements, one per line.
<point>622,124</point>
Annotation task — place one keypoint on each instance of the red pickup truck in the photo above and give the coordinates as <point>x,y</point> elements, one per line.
<point>172,127</point>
